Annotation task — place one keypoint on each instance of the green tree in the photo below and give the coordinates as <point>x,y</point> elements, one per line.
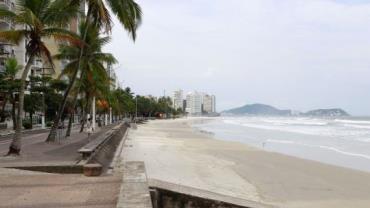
<point>94,78</point>
<point>128,13</point>
<point>32,101</point>
<point>41,19</point>
<point>9,85</point>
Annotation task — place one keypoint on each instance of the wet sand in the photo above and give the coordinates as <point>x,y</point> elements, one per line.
<point>176,153</point>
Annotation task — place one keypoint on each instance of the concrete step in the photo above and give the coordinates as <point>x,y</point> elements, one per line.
<point>134,192</point>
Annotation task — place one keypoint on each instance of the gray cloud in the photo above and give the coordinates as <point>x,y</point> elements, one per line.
<point>295,54</point>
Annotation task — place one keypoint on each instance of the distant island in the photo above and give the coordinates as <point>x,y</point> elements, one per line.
<point>267,110</point>
<point>335,112</point>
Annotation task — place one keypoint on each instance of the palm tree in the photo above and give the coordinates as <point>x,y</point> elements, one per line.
<point>38,19</point>
<point>128,13</point>
<point>95,84</point>
<point>92,61</point>
<point>11,84</point>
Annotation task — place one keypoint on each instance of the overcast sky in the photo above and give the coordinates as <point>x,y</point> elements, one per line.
<point>296,54</point>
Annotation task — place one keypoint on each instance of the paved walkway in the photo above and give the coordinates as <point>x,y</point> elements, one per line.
<point>134,191</point>
<point>40,190</point>
<point>30,189</point>
<point>36,152</point>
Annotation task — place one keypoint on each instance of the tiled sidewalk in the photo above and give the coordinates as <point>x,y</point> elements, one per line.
<point>36,151</point>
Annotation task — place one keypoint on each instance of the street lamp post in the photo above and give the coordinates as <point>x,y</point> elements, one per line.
<point>43,111</point>
<point>93,112</point>
<point>136,109</point>
<point>110,115</point>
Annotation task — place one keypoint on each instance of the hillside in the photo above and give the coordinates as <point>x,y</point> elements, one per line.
<point>258,109</point>
<point>267,110</point>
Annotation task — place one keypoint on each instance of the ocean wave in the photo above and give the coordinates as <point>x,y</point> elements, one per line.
<point>346,153</point>
<point>356,126</point>
<point>305,126</point>
<point>299,122</point>
<point>281,141</point>
<point>334,149</point>
<point>367,140</point>
<point>352,121</point>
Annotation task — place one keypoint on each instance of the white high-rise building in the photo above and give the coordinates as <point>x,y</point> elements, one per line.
<point>194,103</point>
<point>209,104</point>
<point>213,104</point>
<point>178,100</point>
<point>6,49</point>
<point>39,67</point>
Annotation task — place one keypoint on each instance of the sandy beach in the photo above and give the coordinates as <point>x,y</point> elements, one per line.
<point>175,152</point>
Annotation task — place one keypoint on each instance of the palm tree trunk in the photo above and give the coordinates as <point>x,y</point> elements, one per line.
<point>14,118</point>
<point>15,146</point>
<point>53,131</point>
<point>31,114</point>
<point>2,119</point>
<point>68,133</point>
<point>74,103</point>
<point>84,117</point>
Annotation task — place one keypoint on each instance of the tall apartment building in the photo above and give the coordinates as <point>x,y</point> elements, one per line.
<point>194,103</point>
<point>6,49</point>
<point>39,67</point>
<point>178,100</point>
<point>213,104</point>
<point>112,76</point>
<point>53,46</point>
<point>209,104</point>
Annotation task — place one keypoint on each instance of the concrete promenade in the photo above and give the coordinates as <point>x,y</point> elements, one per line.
<point>28,189</point>
<point>36,152</point>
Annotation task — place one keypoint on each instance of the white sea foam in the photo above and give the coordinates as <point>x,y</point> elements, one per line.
<point>309,126</point>
<point>352,121</point>
<point>334,149</point>
<point>345,152</point>
<point>330,137</point>
<point>357,126</point>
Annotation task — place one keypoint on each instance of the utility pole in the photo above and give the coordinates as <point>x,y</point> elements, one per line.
<point>136,109</point>
<point>93,113</point>
<point>165,102</point>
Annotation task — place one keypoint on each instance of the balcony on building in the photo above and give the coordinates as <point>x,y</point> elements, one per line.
<point>8,4</point>
<point>37,68</point>
<point>6,24</point>
<point>6,51</point>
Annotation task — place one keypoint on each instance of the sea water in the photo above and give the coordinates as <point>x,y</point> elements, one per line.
<point>337,141</point>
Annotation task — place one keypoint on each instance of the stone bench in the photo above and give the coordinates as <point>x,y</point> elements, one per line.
<point>89,149</point>
<point>92,170</point>
<point>102,149</point>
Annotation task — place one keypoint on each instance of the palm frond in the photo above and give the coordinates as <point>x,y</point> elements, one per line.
<point>129,14</point>
<point>105,58</point>
<point>61,10</point>
<point>6,13</point>
<point>99,14</point>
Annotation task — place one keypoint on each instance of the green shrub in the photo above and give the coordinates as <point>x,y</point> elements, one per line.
<point>49,124</point>
<point>27,125</point>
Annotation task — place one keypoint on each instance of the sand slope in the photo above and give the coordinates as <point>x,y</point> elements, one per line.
<point>176,153</point>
